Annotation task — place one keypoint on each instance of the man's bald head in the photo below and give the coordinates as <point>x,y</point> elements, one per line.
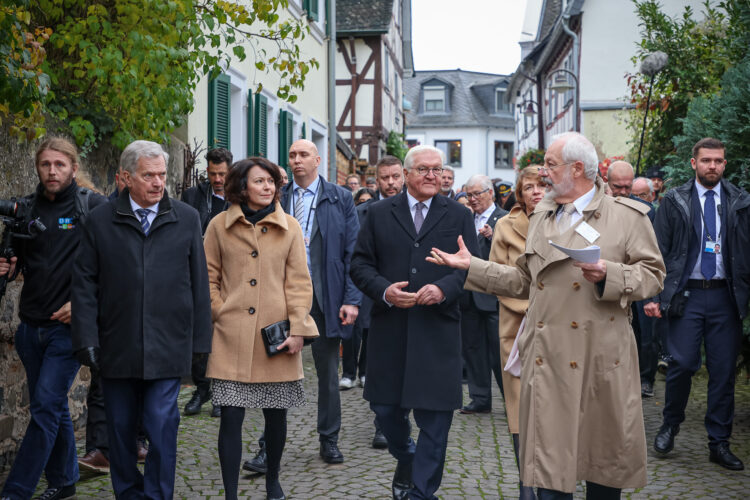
<point>620,178</point>
<point>304,161</point>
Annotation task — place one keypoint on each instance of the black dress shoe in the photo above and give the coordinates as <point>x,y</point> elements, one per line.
<point>664,441</point>
<point>401,481</point>
<point>58,493</point>
<point>647,389</point>
<point>193,407</point>
<point>472,408</point>
<point>329,452</point>
<point>215,411</point>
<point>722,456</point>
<point>258,464</point>
<point>379,441</point>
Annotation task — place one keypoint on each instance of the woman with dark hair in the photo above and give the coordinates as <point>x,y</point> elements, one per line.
<point>257,271</point>
<point>362,195</point>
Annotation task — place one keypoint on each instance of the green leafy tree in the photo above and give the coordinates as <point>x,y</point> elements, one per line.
<point>395,145</point>
<point>128,68</point>
<point>699,51</point>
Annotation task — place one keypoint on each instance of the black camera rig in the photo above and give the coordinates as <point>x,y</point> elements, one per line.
<point>15,215</point>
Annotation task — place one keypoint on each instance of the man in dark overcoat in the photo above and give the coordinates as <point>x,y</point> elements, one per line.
<point>140,292</point>
<point>414,343</point>
<point>480,338</point>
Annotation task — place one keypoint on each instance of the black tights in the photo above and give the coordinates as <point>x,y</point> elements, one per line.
<point>230,448</point>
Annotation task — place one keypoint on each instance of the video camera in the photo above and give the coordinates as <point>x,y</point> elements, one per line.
<point>16,216</point>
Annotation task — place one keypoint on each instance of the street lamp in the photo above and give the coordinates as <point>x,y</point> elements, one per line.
<point>528,107</point>
<point>651,65</point>
<point>561,84</point>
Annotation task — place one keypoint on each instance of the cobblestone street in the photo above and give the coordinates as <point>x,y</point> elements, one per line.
<point>480,462</point>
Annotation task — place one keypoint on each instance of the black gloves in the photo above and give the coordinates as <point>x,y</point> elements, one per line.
<point>88,356</point>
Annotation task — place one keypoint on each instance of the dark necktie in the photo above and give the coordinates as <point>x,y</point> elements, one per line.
<point>708,259</point>
<point>419,216</point>
<point>143,215</point>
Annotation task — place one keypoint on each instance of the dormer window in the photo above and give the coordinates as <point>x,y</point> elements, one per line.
<point>434,99</point>
<point>500,105</point>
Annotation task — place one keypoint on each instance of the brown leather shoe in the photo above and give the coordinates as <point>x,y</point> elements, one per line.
<point>142,452</point>
<point>94,461</point>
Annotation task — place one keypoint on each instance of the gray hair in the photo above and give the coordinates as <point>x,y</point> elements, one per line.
<point>449,168</point>
<point>578,148</point>
<point>137,150</point>
<point>422,148</point>
<point>649,183</point>
<point>480,179</point>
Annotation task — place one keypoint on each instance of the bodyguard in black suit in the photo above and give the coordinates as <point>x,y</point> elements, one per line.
<point>480,335</point>
<point>414,344</point>
<point>700,227</point>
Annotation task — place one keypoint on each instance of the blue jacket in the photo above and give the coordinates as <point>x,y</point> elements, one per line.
<point>334,235</point>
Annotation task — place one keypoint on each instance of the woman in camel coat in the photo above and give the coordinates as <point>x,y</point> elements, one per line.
<point>257,272</point>
<point>508,243</point>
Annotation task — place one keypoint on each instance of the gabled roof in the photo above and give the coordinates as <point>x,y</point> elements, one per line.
<point>363,17</point>
<point>472,100</point>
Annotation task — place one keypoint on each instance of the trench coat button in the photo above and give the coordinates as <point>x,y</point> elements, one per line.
<point>251,310</point>
<point>254,254</point>
<point>540,324</point>
<point>611,318</point>
<point>574,324</point>
<point>414,270</point>
<point>617,362</point>
<point>573,364</point>
<point>597,214</point>
<point>539,360</point>
<point>576,285</point>
<point>253,282</point>
<point>540,285</point>
<point>264,230</point>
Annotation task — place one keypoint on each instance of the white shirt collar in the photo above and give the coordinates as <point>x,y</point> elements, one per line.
<point>135,206</point>
<point>487,213</point>
<point>582,202</point>
<point>413,201</point>
<point>702,191</point>
<point>313,187</point>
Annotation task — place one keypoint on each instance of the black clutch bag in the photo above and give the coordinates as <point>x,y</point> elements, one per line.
<point>275,334</point>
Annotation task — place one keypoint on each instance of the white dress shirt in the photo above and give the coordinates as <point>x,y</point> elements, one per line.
<point>152,210</point>
<point>581,203</point>
<point>481,219</point>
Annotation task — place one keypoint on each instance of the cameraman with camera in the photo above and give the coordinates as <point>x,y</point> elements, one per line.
<point>43,339</point>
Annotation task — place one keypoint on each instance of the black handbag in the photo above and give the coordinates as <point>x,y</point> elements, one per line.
<point>275,334</point>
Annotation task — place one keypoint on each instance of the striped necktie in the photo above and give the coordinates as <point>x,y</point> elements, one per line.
<point>299,205</point>
<point>143,215</point>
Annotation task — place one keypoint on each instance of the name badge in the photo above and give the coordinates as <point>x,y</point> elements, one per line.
<point>712,247</point>
<point>589,233</point>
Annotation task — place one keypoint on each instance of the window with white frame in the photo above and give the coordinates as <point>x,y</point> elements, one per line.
<point>503,154</point>
<point>500,105</point>
<point>452,152</point>
<point>434,99</point>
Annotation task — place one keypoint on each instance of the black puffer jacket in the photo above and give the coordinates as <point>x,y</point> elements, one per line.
<point>674,226</point>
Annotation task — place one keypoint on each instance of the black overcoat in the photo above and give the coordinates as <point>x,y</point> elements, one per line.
<point>142,299</point>
<point>413,355</point>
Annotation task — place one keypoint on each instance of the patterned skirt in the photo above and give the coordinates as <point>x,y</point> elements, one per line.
<point>257,395</point>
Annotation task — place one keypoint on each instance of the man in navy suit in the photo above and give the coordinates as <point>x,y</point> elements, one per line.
<point>480,335</point>
<point>414,342</point>
<point>701,227</point>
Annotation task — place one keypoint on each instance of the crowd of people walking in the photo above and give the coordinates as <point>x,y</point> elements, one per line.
<point>424,287</point>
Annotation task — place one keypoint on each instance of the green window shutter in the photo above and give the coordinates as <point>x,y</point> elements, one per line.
<point>311,7</point>
<point>283,139</point>
<point>260,126</point>
<point>219,118</point>
<point>304,131</point>
<point>250,127</point>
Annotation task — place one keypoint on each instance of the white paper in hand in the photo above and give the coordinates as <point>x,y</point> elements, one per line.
<point>588,255</point>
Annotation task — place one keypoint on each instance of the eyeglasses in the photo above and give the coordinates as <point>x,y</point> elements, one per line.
<point>476,195</point>
<point>549,168</point>
<point>435,171</point>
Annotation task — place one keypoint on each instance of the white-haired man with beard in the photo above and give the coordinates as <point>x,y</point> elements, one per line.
<point>580,414</point>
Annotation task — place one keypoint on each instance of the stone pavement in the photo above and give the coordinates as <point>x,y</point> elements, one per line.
<point>480,462</point>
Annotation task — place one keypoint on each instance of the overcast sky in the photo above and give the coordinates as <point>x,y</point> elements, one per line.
<point>474,35</point>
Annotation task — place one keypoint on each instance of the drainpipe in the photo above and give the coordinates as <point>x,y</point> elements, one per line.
<point>331,24</point>
<point>576,48</point>
<point>487,152</point>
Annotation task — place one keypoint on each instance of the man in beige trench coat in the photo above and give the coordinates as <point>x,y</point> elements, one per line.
<point>580,410</point>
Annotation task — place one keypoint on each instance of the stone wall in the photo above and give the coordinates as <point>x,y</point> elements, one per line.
<point>18,178</point>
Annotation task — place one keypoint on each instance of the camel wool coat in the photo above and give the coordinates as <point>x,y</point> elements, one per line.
<point>508,243</point>
<point>257,275</point>
<point>580,410</point>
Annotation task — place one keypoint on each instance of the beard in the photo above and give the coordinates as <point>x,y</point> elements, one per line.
<point>709,183</point>
<point>564,187</point>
